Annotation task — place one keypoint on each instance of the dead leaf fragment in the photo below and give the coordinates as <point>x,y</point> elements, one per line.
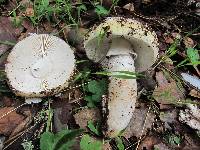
<point>129,6</point>
<point>189,43</point>
<point>85,115</point>
<point>194,93</point>
<point>137,122</point>
<point>161,146</point>
<point>149,142</point>
<point>169,117</point>
<point>10,121</point>
<point>29,12</point>
<point>23,125</point>
<point>167,92</point>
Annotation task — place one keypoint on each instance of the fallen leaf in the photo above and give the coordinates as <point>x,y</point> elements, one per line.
<point>191,143</point>
<point>62,114</point>
<point>7,101</point>
<point>7,33</point>
<point>10,121</point>
<point>176,35</point>
<point>189,43</point>
<point>137,122</point>
<point>167,92</point>
<point>169,118</point>
<point>161,146</point>
<point>168,39</point>
<point>149,142</point>
<point>84,116</point>
<point>194,93</point>
<point>129,6</point>
<point>107,146</point>
<point>23,125</point>
<point>29,12</point>
<point>28,26</point>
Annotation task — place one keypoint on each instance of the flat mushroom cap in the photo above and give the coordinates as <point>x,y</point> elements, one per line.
<point>40,65</point>
<point>144,41</point>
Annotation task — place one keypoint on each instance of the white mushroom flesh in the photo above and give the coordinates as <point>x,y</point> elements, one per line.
<point>40,65</point>
<point>122,93</point>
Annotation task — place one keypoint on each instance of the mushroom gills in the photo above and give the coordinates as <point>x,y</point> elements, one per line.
<point>122,93</point>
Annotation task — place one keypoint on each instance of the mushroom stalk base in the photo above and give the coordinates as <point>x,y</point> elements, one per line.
<point>122,93</point>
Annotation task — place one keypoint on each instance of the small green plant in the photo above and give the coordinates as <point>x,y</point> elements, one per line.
<point>101,11</point>
<point>17,21</point>
<point>119,143</point>
<point>80,8</point>
<point>192,58</point>
<point>27,145</point>
<point>173,139</point>
<point>2,1</point>
<point>62,140</point>
<point>87,143</point>
<point>102,35</point>
<point>53,11</point>
<point>94,128</point>
<point>94,91</point>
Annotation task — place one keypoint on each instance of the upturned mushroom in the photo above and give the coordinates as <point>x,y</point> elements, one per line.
<point>40,65</point>
<point>121,44</point>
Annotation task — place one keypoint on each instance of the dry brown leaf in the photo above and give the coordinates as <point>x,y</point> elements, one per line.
<point>10,121</point>
<point>7,33</point>
<point>85,115</point>
<point>167,93</point>
<point>194,93</point>
<point>161,146</point>
<point>23,125</point>
<point>107,146</point>
<point>168,39</point>
<point>149,142</point>
<point>129,6</point>
<point>28,26</point>
<point>137,122</point>
<point>29,12</point>
<point>188,42</point>
<point>62,114</point>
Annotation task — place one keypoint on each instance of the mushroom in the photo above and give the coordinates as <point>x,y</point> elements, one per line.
<point>40,65</point>
<point>121,44</point>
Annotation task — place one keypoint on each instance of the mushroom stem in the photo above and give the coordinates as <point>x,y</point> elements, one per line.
<point>122,93</point>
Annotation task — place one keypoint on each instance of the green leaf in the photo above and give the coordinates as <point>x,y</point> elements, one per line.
<point>101,11</point>
<point>172,50</point>
<point>95,90</point>
<point>92,127</point>
<point>65,136</point>
<point>62,140</point>
<point>46,141</point>
<point>120,144</point>
<point>193,55</point>
<point>82,7</point>
<point>121,74</point>
<point>87,143</point>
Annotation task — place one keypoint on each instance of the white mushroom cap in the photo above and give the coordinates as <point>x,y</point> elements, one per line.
<point>40,65</point>
<point>143,40</point>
